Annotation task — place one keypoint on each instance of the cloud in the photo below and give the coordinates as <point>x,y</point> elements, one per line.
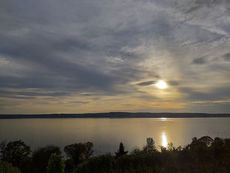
<point>221,93</point>
<point>174,83</point>
<point>146,83</point>
<point>200,60</point>
<point>227,56</point>
<point>214,102</point>
<point>84,51</point>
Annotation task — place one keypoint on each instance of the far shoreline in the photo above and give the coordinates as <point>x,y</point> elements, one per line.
<point>115,115</point>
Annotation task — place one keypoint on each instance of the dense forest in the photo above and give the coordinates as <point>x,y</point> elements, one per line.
<point>203,155</point>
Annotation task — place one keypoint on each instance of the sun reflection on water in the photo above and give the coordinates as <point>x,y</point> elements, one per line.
<point>164,141</point>
<point>163,119</point>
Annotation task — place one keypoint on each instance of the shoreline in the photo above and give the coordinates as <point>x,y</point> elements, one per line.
<point>115,115</point>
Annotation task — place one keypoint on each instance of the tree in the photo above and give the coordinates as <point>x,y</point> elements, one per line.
<point>150,147</point>
<point>2,149</point>
<point>206,140</point>
<point>88,150</point>
<point>8,168</point>
<point>79,152</point>
<point>56,164</point>
<point>98,164</point>
<point>16,152</point>
<point>41,156</point>
<point>171,147</point>
<point>121,151</point>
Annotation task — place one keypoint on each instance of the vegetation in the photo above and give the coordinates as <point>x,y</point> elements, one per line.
<point>121,151</point>
<point>41,156</point>
<point>8,168</point>
<point>17,153</point>
<point>203,155</point>
<point>77,153</point>
<point>55,164</point>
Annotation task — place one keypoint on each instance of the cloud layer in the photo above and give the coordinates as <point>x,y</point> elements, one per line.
<point>96,56</point>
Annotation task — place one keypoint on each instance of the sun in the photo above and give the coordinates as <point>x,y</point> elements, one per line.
<point>161,84</point>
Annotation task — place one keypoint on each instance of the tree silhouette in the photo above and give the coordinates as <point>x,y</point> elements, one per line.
<point>8,168</point>
<point>121,151</point>
<point>206,140</point>
<point>88,150</point>
<point>150,147</point>
<point>16,152</point>
<point>98,164</point>
<point>2,149</point>
<point>55,164</point>
<point>79,152</point>
<point>201,155</point>
<point>41,156</point>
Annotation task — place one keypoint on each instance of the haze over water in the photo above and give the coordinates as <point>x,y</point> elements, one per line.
<point>106,134</point>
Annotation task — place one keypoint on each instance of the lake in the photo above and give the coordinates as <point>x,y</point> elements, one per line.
<point>106,133</point>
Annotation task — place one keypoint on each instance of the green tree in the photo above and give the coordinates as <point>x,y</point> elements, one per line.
<point>79,152</point>
<point>99,164</point>
<point>56,164</point>
<point>2,149</point>
<point>8,168</point>
<point>17,153</point>
<point>41,156</point>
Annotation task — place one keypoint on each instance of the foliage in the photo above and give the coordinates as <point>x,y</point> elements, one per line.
<point>121,151</point>
<point>55,164</point>
<point>202,155</point>
<point>40,158</point>
<point>8,168</point>
<point>17,153</point>
<point>150,147</point>
<point>99,164</point>
<point>2,149</point>
<point>79,152</point>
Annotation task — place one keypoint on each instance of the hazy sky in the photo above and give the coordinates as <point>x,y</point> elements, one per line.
<point>65,56</point>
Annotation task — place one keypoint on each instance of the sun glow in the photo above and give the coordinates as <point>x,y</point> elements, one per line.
<point>161,84</point>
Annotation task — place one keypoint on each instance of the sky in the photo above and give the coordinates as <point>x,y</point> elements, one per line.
<point>80,56</point>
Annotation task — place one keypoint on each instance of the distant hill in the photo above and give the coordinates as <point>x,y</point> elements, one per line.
<point>115,115</point>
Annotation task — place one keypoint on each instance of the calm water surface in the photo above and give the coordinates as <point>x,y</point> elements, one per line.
<point>106,134</point>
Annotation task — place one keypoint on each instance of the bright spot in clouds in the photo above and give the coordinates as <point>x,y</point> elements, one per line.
<point>161,84</point>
